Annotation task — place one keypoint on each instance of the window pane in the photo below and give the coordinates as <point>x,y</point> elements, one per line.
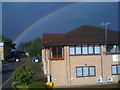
<point>118,48</point>
<point>62,52</point>
<point>118,69</point>
<point>72,50</point>
<point>57,52</point>
<point>78,49</point>
<point>85,71</point>
<point>114,70</point>
<point>108,48</point>
<point>84,49</point>
<point>79,71</point>
<point>97,49</point>
<point>92,71</point>
<point>113,49</point>
<point>90,49</point>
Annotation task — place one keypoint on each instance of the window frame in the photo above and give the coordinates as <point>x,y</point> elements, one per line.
<point>116,51</point>
<point>54,57</point>
<point>74,46</point>
<point>116,69</point>
<point>88,71</point>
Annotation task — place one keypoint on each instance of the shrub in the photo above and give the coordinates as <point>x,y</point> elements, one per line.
<point>24,74</point>
<point>14,84</point>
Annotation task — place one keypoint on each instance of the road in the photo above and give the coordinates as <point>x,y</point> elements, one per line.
<point>8,69</point>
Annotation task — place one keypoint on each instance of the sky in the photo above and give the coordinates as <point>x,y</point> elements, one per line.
<point>37,18</point>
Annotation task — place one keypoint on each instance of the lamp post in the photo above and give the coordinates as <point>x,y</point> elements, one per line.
<point>103,59</point>
<point>105,24</point>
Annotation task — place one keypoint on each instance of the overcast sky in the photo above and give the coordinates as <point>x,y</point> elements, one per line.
<point>17,17</point>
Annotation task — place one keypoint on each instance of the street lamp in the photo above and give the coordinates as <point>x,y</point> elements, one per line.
<point>105,24</point>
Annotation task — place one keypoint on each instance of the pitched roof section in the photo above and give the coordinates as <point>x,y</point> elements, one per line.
<point>85,34</point>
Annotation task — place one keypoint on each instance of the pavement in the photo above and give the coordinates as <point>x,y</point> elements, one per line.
<point>37,68</point>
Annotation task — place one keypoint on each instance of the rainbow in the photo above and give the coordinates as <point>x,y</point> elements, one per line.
<point>29,28</point>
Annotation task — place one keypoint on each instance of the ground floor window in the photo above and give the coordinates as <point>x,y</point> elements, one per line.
<point>57,52</point>
<point>85,71</point>
<point>115,69</point>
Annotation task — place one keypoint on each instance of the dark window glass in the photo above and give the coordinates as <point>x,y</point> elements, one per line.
<point>57,52</point>
<point>111,48</point>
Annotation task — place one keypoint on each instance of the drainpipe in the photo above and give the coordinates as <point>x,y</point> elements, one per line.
<point>102,61</point>
<point>48,74</point>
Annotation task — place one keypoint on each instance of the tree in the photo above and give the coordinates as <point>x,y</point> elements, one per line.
<point>6,39</point>
<point>32,47</point>
<point>24,74</point>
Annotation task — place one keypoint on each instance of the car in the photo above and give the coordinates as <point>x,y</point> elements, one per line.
<point>36,59</point>
<point>17,60</point>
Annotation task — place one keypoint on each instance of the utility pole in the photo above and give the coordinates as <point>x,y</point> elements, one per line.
<point>105,24</point>
<point>103,56</point>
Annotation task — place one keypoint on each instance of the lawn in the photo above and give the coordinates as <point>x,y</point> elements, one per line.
<point>33,85</point>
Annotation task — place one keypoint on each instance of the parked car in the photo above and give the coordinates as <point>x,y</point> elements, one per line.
<point>36,59</point>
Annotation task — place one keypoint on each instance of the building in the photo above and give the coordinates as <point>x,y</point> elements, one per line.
<point>5,50</point>
<point>82,56</point>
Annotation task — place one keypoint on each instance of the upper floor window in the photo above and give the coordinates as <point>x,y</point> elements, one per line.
<point>84,49</point>
<point>57,52</point>
<point>113,48</point>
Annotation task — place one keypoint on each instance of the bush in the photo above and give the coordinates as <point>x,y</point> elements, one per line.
<point>24,74</point>
<point>14,84</point>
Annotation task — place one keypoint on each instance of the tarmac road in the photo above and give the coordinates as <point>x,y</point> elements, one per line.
<point>7,70</point>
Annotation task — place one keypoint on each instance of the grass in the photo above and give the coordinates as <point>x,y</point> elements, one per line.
<point>37,85</point>
<point>32,86</point>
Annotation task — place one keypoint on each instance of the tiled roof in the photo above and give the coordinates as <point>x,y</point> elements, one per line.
<point>85,34</point>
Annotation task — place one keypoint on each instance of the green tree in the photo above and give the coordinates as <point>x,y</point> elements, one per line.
<point>6,39</point>
<point>35,48</point>
<point>32,47</point>
<point>24,74</point>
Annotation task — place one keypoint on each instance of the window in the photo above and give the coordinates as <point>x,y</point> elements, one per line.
<point>85,71</point>
<point>78,49</point>
<point>118,48</point>
<point>84,49</point>
<point>115,69</point>
<point>57,52</point>
<point>111,48</point>
<point>79,71</point>
<point>92,71</point>
<point>97,49</point>
<point>72,50</point>
<point>91,49</point>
